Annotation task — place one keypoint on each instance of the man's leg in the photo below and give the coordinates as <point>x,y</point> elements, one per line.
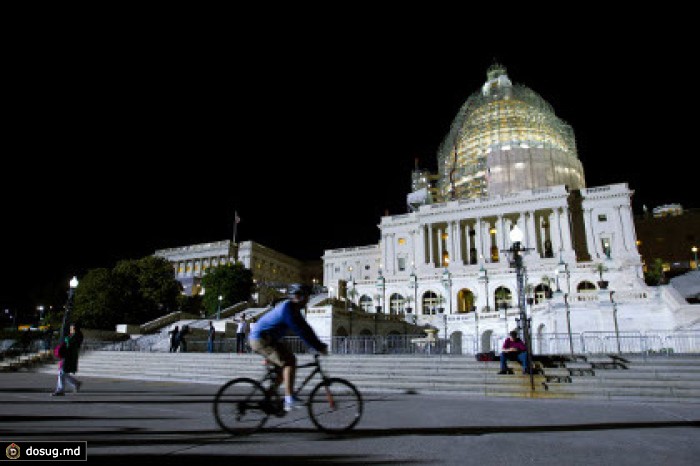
<point>504,365</point>
<point>522,357</point>
<point>289,374</point>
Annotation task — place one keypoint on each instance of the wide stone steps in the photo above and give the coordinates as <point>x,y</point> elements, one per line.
<point>670,380</point>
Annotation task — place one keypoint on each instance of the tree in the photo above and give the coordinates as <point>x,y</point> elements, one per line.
<point>133,292</point>
<point>654,274</point>
<point>233,282</point>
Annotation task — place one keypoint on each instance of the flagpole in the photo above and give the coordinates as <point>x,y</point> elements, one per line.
<point>236,219</point>
<point>235,224</point>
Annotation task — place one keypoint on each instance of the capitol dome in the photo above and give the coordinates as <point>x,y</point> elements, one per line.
<point>506,138</point>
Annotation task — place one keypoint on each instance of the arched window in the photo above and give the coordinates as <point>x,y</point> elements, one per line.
<point>503,297</point>
<point>396,302</point>
<point>430,303</point>
<point>465,301</point>
<point>366,303</point>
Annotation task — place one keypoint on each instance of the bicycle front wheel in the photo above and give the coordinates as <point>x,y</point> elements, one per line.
<point>241,407</point>
<point>335,405</point>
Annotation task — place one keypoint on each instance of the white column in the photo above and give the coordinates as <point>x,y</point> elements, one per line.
<point>621,227</point>
<point>439,244</point>
<point>531,237</point>
<point>500,235</point>
<point>431,252</point>
<point>477,240</point>
<point>468,243</point>
<point>458,242</point>
<point>591,241</point>
<point>566,230</point>
<point>628,224</point>
<point>420,247</point>
<point>557,240</point>
<point>412,236</point>
<point>486,241</point>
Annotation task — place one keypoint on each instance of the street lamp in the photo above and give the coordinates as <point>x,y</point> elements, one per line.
<point>447,283</point>
<point>413,281</point>
<point>218,310</point>
<point>516,237</point>
<point>73,284</point>
<point>484,278</point>
<point>695,253</point>
<point>564,269</point>
<point>351,292</point>
<point>381,287</point>
<point>617,331</point>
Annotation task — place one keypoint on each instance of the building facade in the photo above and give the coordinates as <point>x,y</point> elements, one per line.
<point>271,269</point>
<point>509,163</point>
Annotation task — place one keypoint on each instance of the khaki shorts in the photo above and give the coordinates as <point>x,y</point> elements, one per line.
<point>275,352</point>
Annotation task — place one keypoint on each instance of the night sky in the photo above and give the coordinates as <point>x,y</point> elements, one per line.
<point>121,144</point>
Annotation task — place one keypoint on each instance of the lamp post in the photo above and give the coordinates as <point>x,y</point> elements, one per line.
<point>413,281</point>
<point>516,236</point>
<point>484,278</point>
<point>695,254</point>
<point>218,309</point>
<point>381,286</point>
<point>617,331</point>
<point>351,292</point>
<point>73,284</point>
<point>447,283</point>
<point>563,268</point>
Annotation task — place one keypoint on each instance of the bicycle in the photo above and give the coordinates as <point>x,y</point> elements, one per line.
<point>243,405</point>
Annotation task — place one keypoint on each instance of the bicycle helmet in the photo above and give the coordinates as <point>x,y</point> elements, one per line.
<point>299,289</point>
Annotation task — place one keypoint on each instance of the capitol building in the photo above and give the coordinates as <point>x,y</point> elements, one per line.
<point>509,165</point>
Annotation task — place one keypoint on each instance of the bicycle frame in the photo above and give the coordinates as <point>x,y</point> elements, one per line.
<point>242,405</point>
<point>273,374</point>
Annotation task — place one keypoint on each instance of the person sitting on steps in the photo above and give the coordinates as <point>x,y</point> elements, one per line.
<point>514,350</point>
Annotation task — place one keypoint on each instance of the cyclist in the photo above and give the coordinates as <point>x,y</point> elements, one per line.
<point>266,337</point>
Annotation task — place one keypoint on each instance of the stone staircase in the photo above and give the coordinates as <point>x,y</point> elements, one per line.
<point>674,379</point>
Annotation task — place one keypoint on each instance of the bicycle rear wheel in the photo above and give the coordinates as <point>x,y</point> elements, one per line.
<point>241,407</point>
<point>335,405</point>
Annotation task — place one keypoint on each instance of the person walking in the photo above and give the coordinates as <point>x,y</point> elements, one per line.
<point>174,339</point>
<point>184,331</point>
<point>69,352</point>
<point>270,329</point>
<point>241,334</point>
<point>210,337</point>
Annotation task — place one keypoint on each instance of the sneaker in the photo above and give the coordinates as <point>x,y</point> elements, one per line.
<point>502,372</point>
<point>295,403</point>
<point>77,386</point>
<point>58,394</point>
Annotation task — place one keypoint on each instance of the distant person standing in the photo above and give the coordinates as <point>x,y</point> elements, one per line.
<point>68,363</point>
<point>210,337</point>
<point>174,339</point>
<point>241,334</point>
<point>184,331</point>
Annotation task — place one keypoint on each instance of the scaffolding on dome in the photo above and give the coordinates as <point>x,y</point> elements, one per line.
<point>506,138</point>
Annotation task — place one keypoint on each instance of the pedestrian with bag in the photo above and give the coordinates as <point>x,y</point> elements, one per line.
<point>68,351</point>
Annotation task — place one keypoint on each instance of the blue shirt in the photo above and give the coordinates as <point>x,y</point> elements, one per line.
<point>275,324</point>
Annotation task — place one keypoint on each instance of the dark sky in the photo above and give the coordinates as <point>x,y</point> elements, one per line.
<point>125,142</point>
